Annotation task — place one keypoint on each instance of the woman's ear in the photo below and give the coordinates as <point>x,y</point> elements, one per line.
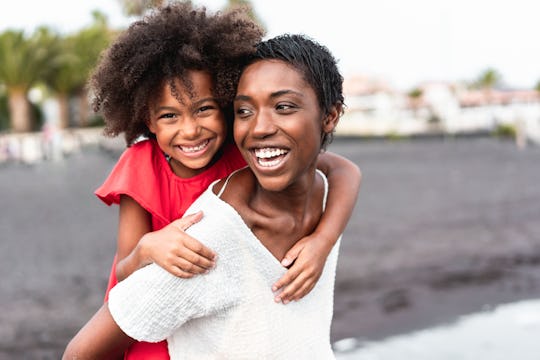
<point>331,119</point>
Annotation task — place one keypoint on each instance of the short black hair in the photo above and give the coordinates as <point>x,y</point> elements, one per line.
<point>314,61</point>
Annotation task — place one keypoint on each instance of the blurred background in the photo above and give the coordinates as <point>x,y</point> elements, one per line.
<point>440,259</point>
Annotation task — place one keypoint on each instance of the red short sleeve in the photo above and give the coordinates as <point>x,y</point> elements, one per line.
<point>137,174</point>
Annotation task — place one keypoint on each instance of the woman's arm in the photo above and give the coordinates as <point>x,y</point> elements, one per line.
<point>100,338</point>
<point>309,253</point>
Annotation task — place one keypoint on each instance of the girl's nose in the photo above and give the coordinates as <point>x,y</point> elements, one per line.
<point>190,128</point>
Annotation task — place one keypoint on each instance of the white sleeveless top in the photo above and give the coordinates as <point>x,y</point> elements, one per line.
<point>230,312</point>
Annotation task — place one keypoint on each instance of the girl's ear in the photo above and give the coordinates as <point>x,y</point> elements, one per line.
<point>331,119</point>
<point>151,126</point>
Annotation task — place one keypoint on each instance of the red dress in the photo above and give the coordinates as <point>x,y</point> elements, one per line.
<point>143,173</point>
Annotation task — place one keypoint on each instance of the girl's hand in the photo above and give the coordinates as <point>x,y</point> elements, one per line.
<point>175,251</point>
<point>308,257</point>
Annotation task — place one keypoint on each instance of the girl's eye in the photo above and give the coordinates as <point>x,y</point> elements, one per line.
<point>166,116</point>
<point>205,108</point>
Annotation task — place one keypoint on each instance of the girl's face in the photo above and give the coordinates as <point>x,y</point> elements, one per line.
<point>278,123</point>
<point>190,131</point>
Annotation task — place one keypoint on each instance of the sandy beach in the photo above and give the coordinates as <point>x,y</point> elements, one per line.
<point>442,228</point>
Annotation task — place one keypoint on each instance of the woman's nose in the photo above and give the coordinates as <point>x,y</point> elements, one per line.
<point>264,124</point>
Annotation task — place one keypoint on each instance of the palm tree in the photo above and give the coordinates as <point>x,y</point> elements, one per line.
<point>80,53</point>
<point>488,79</point>
<point>23,62</point>
<point>415,99</point>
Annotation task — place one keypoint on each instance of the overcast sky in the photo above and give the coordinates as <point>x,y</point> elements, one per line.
<point>403,42</point>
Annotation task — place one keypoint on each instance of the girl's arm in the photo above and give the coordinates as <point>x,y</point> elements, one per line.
<point>308,255</point>
<point>100,338</point>
<point>170,248</point>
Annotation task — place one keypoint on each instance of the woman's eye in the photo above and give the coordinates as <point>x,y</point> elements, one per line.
<point>285,107</point>
<point>242,112</point>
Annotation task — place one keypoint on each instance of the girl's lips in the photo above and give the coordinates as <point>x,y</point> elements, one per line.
<point>194,148</point>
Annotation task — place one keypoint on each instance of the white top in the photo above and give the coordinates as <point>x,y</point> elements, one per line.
<point>230,312</point>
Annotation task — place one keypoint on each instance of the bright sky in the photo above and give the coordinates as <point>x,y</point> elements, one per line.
<point>402,42</point>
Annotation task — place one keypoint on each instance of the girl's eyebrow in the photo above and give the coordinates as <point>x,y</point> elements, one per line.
<point>212,99</point>
<point>164,108</point>
<point>172,108</point>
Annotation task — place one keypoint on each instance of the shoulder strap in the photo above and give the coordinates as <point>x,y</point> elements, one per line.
<point>325,181</point>
<point>227,182</point>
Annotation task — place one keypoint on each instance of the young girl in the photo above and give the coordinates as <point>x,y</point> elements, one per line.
<point>171,78</point>
<point>289,101</point>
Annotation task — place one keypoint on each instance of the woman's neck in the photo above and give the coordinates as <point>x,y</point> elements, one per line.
<point>277,218</point>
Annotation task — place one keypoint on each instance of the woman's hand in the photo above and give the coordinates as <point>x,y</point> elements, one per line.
<point>177,252</point>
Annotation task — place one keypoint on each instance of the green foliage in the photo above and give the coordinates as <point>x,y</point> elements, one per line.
<point>79,54</point>
<point>4,113</point>
<point>139,7</point>
<point>415,93</point>
<point>505,131</point>
<point>26,60</point>
<point>537,87</point>
<point>488,79</point>
<point>96,121</point>
<point>37,117</point>
<point>62,63</point>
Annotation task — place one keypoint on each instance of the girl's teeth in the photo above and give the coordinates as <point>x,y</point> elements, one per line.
<point>194,148</point>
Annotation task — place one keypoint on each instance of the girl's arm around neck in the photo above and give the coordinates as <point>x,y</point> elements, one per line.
<point>344,178</point>
<point>309,253</point>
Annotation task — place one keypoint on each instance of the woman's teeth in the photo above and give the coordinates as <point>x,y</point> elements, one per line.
<point>265,156</point>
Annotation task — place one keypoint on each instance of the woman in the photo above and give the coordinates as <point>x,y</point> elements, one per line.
<point>288,103</point>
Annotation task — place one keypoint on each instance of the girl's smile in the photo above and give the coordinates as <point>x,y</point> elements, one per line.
<point>189,127</point>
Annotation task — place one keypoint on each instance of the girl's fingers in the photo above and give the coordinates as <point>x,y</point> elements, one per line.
<point>189,267</point>
<point>196,247</point>
<point>188,258</point>
<point>286,279</point>
<point>291,288</point>
<point>188,220</point>
<point>179,272</point>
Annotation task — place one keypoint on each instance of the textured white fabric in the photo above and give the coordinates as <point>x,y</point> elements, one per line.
<point>228,313</point>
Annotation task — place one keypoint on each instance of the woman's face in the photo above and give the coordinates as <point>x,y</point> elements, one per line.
<point>190,131</point>
<point>278,123</point>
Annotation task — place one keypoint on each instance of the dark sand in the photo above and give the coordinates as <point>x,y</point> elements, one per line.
<point>442,228</point>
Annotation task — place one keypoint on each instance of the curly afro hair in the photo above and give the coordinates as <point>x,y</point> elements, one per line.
<point>162,47</point>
